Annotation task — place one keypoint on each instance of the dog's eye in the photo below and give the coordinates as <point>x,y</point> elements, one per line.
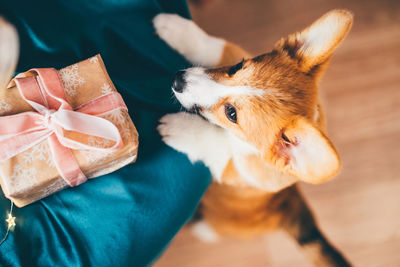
<point>230,113</point>
<point>232,70</point>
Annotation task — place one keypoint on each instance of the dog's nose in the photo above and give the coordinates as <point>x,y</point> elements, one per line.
<point>179,82</point>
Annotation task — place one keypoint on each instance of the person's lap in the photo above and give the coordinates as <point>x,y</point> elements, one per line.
<point>127,217</point>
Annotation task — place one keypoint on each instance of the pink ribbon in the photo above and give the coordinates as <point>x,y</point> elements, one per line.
<point>45,93</point>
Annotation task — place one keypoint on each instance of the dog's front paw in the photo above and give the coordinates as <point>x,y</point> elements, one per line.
<point>188,39</point>
<point>173,129</point>
<point>175,30</point>
<point>180,131</point>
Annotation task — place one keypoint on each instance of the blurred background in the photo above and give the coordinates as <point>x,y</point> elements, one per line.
<point>359,211</point>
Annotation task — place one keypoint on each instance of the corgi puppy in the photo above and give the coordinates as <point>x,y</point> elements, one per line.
<point>259,128</point>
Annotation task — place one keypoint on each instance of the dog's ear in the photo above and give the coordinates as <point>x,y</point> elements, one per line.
<point>314,46</point>
<point>9,50</point>
<point>302,150</point>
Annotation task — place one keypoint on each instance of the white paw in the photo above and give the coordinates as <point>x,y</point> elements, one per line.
<point>198,139</point>
<point>203,231</point>
<point>189,40</point>
<point>180,131</point>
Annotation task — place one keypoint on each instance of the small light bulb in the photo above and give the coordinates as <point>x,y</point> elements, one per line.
<point>10,221</point>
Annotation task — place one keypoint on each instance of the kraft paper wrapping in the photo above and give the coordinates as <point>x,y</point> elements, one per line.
<point>32,175</point>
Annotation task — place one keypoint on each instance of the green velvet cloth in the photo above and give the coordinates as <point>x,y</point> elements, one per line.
<point>128,217</point>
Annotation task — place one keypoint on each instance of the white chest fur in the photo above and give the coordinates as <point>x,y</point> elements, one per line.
<point>206,142</point>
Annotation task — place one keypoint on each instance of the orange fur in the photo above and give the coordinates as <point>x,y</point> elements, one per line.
<point>232,54</point>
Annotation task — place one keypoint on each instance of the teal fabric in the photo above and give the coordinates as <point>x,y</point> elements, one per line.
<point>128,217</point>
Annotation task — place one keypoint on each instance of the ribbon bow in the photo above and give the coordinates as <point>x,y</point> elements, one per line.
<point>54,116</point>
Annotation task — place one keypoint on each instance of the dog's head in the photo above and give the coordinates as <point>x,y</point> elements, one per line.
<point>270,101</point>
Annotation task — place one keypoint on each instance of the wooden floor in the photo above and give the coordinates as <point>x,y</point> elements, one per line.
<point>359,210</point>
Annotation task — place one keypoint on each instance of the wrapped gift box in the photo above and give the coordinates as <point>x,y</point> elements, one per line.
<point>34,173</point>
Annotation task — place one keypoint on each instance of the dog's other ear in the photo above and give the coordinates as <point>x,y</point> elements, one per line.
<point>9,50</point>
<point>314,46</point>
<point>302,150</point>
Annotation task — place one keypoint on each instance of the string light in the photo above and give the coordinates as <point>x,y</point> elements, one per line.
<point>11,223</point>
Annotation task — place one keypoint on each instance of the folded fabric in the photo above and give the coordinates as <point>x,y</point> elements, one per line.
<point>128,217</point>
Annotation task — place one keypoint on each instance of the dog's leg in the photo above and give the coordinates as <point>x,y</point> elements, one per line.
<point>203,231</point>
<point>194,44</point>
<point>299,223</point>
<point>198,139</point>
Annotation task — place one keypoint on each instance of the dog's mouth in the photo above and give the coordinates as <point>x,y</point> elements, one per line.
<point>195,109</point>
